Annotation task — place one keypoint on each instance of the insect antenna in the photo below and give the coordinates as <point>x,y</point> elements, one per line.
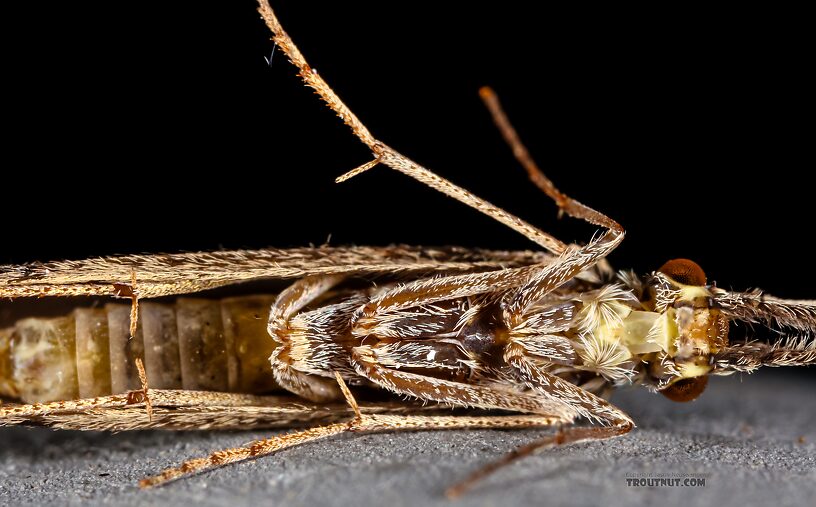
<point>765,331</point>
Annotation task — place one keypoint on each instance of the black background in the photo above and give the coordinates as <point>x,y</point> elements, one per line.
<point>141,127</point>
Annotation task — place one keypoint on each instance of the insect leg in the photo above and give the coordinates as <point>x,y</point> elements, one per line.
<point>362,422</point>
<point>564,401</point>
<point>253,450</point>
<point>566,267</point>
<point>134,323</point>
<point>614,421</point>
<point>366,361</point>
<point>553,387</point>
<point>262,447</point>
<point>390,157</point>
<point>562,437</point>
<point>566,203</point>
<point>551,395</point>
<point>369,318</point>
<point>387,155</point>
<point>298,342</point>
<point>547,281</point>
<point>134,307</point>
<point>531,283</point>
<point>145,393</point>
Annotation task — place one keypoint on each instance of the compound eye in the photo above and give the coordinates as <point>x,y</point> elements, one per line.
<point>686,390</point>
<point>684,271</point>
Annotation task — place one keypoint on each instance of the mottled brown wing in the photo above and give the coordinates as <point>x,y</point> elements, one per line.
<point>184,273</point>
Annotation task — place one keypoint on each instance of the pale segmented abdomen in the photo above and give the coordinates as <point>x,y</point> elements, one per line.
<point>200,344</point>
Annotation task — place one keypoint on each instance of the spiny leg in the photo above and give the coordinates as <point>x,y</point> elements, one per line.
<point>615,421</point>
<point>134,307</point>
<point>555,274</point>
<point>565,203</point>
<point>252,450</point>
<point>395,160</point>
<point>554,395</point>
<point>428,291</point>
<point>545,384</point>
<point>366,361</point>
<point>360,423</point>
<point>134,323</point>
<point>387,155</point>
<point>367,423</point>
<point>588,405</point>
<point>143,381</point>
<point>539,286</point>
<point>255,449</point>
<point>529,283</point>
<point>562,437</point>
<point>551,395</point>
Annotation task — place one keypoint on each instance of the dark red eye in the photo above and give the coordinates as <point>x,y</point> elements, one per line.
<point>684,271</point>
<point>686,389</point>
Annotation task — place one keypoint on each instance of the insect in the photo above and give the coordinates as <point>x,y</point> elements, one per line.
<point>539,336</point>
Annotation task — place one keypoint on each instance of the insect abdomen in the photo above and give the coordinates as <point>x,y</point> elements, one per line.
<point>195,344</point>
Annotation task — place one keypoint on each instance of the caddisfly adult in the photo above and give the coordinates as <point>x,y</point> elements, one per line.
<point>540,337</point>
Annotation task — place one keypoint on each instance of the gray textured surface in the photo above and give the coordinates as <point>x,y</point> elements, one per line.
<point>743,436</point>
